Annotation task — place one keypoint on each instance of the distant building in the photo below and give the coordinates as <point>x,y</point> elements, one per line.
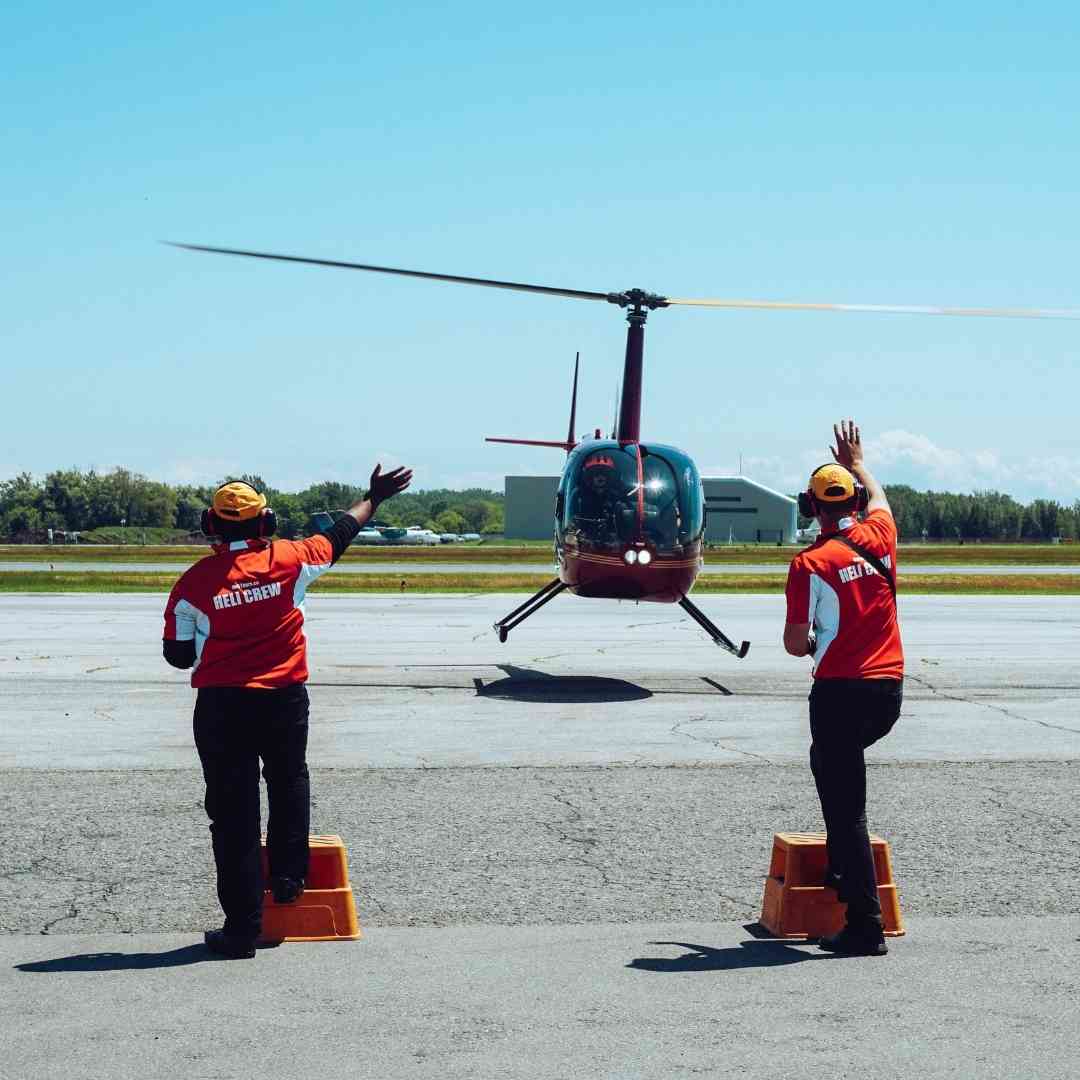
<point>742,511</point>
<point>530,507</point>
<point>739,510</point>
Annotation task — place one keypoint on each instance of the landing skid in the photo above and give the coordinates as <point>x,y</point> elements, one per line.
<point>533,604</point>
<point>712,630</point>
<point>553,588</point>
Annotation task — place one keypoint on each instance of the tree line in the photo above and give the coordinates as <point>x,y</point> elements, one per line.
<point>984,515</point>
<point>74,500</point>
<point>71,500</point>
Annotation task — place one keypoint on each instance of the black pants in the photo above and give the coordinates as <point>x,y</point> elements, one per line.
<point>847,716</point>
<point>234,728</point>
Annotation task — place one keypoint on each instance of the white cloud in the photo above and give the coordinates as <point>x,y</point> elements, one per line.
<point>490,481</point>
<point>784,474</point>
<point>198,471</point>
<point>906,457</point>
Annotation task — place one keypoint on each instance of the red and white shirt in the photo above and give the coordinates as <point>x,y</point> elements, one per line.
<point>243,607</point>
<point>849,604</point>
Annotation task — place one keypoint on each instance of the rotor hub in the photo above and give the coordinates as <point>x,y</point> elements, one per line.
<point>638,299</point>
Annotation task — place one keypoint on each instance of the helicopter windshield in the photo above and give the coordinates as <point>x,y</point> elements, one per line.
<point>609,502</point>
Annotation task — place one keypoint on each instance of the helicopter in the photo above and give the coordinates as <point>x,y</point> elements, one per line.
<point>629,515</point>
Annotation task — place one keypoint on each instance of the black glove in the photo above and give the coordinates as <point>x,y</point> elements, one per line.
<point>386,486</point>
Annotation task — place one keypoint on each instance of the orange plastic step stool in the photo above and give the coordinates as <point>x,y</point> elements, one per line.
<point>326,911</point>
<point>796,903</point>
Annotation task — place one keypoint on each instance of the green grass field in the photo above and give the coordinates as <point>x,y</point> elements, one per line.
<point>342,581</point>
<point>540,551</point>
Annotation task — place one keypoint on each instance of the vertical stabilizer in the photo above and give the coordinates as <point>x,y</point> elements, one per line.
<point>571,437</point>
<point>570,441</point>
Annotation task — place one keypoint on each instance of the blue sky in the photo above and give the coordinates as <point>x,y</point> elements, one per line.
<point>840,154</point>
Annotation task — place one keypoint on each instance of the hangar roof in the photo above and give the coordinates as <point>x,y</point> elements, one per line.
<point>751,483</point>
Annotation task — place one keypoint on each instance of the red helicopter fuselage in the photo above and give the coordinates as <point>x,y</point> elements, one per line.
<point>629,522</point>
<point>629,516</point>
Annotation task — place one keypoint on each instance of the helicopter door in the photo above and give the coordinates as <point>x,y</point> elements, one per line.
<point>673,513</point>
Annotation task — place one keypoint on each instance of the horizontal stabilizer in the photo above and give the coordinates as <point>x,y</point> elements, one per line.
<point>561,444</point>
<point>570,441</point>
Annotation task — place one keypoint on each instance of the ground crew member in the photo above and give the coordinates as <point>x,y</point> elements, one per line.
<point>236,619</point>
<point>841,610</point>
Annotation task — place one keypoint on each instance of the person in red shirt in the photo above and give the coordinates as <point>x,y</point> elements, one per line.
<point>236,619</point>
<point>841,611</point>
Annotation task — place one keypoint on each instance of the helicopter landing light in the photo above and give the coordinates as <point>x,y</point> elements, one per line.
<point>644,557</point>
<point>631,556</point>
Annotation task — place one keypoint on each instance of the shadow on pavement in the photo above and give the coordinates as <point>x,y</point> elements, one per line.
<point>749,954</point>
<point>114,961</point>
<point>521,684</point>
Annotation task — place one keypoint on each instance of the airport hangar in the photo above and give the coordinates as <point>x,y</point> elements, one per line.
<point>738,510</point>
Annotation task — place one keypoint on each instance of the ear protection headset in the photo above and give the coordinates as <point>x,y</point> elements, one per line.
<point>265,520</point>
<point>810,507</point>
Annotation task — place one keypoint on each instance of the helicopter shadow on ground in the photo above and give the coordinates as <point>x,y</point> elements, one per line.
<point>523,684</point>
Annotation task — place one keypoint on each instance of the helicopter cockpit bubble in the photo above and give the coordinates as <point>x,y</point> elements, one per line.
<point>614,496</point>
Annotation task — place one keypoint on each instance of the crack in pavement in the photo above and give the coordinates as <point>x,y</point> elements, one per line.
<point>10,875</point>
<point>1004,802</point>
<point>74,910</point>
<point>675,730</point>
<point>563,833</point>
<point>369,898</point>
<point>988,705</point>
<point>72,913</point>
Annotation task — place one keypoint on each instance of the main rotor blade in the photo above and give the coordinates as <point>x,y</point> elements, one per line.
<point>887,309</point>
<point>579,294</point>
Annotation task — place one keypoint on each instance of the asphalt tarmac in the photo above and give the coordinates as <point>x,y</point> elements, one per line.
<point>525,822</point>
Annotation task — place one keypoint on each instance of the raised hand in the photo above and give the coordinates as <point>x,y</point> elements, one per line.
<point>385,486</point>
<point>848,450</point>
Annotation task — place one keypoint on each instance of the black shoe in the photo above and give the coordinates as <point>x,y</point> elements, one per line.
<point>235,948</point>
<point>286,890</point>
<point>851,942</point>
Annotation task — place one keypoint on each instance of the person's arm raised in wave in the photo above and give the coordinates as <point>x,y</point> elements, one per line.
<point>849,453</point>
<point>381,487</point>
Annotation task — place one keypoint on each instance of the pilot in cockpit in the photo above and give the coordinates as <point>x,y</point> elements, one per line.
<point>598,499</point>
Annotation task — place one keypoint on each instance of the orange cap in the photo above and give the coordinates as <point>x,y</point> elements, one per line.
<point>832,484</point>
<point>238,501</point>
